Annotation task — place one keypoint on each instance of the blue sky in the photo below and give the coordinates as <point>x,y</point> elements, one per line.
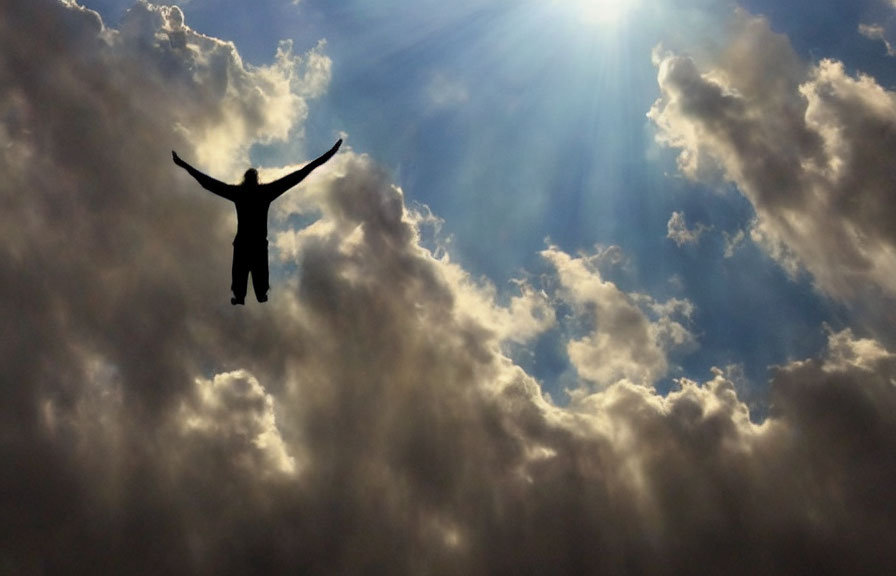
<point>591,287</point>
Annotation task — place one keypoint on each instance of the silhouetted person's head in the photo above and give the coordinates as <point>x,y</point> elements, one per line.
<point>251,177</point>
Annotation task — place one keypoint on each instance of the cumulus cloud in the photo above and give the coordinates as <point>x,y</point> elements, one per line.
<point>365,420</point>
<point>621,341</point>
<point>808,145</point>
<point>234,410</point>
<point>694,462</point>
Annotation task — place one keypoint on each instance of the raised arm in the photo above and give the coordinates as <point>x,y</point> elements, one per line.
<point>206,181</point>
<point>278,187</point>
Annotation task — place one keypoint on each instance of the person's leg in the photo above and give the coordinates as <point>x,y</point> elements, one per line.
<point>239,274</point>
<point>260,272</point>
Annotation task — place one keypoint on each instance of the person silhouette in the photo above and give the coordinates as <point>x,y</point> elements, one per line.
<point>252,200</point>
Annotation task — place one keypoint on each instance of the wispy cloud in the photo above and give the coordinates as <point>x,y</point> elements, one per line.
<point>882,30</point>
<point>678,231</point>
<point>877,32</point>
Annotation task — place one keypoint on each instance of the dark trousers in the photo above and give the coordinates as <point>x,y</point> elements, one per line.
<point>250,257</point>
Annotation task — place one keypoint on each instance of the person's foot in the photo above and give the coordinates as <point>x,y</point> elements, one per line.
<point>263,298</point>
<point>235,301</point>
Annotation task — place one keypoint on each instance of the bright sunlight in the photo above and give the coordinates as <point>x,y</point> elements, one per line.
<point>602,11</point>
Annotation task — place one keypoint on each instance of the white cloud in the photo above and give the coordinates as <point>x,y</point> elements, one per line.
<point>847,352</point>
<point>807,145</point>
<point>235,411</point>
<point>882,30</point>
<point>877,32</point>
<point>622,342</point>
<point>733,242</point>
<point>679,232</point>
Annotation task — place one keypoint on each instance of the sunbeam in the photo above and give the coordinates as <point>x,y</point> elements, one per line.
<point>601,12</point>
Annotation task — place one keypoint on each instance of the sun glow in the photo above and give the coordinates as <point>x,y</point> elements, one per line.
<point>603,12</point>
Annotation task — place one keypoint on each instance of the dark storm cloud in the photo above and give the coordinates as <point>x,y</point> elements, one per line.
<point>365,420</point>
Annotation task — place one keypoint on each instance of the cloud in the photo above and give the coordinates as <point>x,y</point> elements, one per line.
<point>366,419</point>
<point>733,242</point>
<point>807,145</point>
<point>252,104</point>
<point>882,31</point>
<point>679,232</point>
<point>620,342</point>
<point>877,32</point>
<point>234,410</point>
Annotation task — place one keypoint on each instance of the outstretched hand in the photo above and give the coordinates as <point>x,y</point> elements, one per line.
<point>176,158</point>
<point>334,148</point>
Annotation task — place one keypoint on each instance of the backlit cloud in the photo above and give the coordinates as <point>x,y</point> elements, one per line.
<point>809,145</point>
<point>621,342</point>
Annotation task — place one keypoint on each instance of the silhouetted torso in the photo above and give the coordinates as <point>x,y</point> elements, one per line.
<point>252,204</point>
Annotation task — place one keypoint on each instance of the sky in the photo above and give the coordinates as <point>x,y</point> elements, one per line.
<point>591,287</point>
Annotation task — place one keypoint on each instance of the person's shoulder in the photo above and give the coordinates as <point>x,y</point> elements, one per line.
<point>270,190</point>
